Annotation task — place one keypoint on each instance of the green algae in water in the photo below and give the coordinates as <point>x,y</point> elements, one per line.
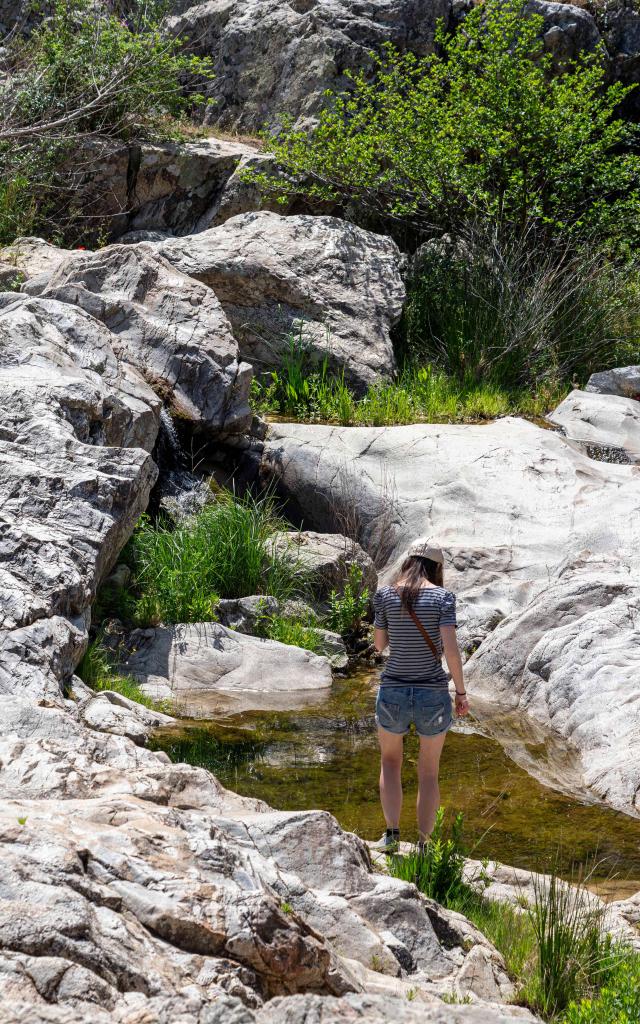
<point>327,757</point>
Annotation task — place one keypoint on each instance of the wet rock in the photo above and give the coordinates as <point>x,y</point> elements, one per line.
<point>205,656</point>
<point>623,381</point>
<point>170,328</point>
<point>607,426</point>
<point>333,284</point>
<point>273,58</point>
<point>329,557</point>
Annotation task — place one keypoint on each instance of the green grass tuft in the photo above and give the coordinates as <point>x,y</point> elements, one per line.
<point>97,670</point>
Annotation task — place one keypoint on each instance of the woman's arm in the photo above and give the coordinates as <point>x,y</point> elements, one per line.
<point>454,664</point>
<point>380,639</point>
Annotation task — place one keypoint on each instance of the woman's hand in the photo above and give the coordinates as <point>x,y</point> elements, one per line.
<point>462,704</point>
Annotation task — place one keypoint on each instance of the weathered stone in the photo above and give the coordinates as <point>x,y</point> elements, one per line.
<point>380,1009</point>
<point>68,502</point>
<point>171,660</point>
<point>271,57</point>
<point>171,329</point>
<point>623,381</point>
<point>606,426</point>
<point>534,589</point>
<point>568,30</point>
<point>244,614</point>
<point>111,712</point>
<point>332,284</point>
<point>329,557</point>
<point>33,257</point>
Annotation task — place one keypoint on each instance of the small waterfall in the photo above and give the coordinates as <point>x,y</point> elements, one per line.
<point>179,492</point>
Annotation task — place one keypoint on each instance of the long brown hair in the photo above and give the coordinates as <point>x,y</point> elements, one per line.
<point>414,571</point>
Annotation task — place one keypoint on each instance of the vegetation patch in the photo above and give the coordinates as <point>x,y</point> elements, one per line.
<point>98,671</point>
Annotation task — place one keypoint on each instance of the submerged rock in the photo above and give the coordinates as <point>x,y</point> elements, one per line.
<point>334,286</point>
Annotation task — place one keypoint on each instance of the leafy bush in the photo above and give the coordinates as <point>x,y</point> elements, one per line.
<point>485,129</point>
<point>438,871</point>
<point>618,1001</point>
<point>97,670</point>
<point>295,632</point>
<point>346,609</point>
<point>84,76</point>
<point>227,550</point>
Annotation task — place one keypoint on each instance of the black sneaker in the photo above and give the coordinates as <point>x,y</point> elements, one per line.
<point>389,842</point>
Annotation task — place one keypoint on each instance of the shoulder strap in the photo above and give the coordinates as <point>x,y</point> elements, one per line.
<point>428,640</point>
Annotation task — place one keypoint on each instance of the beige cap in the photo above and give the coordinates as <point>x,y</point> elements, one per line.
<point>423,547</point>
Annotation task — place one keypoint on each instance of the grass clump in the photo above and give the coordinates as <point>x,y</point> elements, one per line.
<point>180,572</point>
<point>97,670</point>
<point>438,872</point>
<point>294,632</point>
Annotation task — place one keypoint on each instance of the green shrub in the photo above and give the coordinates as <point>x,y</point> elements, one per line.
<point>227,550</point>
<point>482,130</point>
<point>83,76</point>
<point>346,609</point>
<point>438,872</point>
<point>294,632</point>
<point>618,1002</point>
<point>97,670</point>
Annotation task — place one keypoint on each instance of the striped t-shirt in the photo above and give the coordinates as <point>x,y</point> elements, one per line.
<point>411,662</point>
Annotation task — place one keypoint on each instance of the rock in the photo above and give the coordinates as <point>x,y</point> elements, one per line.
<point>171,660</point>
<point>380,1009</point>
<point>333,647</point>
<point>606,426</point>
<point>171,329</point>
<point>34,257</point>
<point>244,614</point>
<point>10,277</point>
<point>273,58</point>
<point>74,424</point>
<point>111,712</point>
<point>329,557</point>
<point>545,597</point>
<point>568,30</point>
<point>333,284</point>
<point>623,381</point>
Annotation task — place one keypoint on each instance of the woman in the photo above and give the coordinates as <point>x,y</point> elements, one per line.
<point>416,618</point>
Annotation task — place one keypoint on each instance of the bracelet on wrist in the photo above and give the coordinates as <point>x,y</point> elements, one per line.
<point>463,694</point>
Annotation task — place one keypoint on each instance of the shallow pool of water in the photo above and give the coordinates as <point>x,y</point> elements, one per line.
<point>325,756</point>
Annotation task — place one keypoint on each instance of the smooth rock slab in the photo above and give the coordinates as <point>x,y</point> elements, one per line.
<point>335,285</point>
<point>205,656</point>
<point>606,425</point>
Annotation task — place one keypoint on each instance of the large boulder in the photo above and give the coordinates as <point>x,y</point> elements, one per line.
<point>76,429</point>
<point>170,328</point>
<point>329,557</point>
<point>622,380</point>
<point>337,287</point>
<point>272,57</point>
<point>205,658</point>
<point>531,527</point>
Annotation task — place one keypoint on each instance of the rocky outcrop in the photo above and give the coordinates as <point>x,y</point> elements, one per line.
<point>273,58</point>
<point>336,287</point>
<point>541,546</point>
<point>329,558</point>
<point>170,328</point>
<point>76,430</point>
<point>207,658</point>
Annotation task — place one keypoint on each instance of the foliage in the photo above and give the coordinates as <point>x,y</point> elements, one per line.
<point>346,609</point>
<point>83,77</point>
<point>421,393</point>
<point>438,871</point>
<point>618,1002</point>
<point>514,311</point>
<point>97,670</point>
<point>180,572</point>
<point>295,632</point>
<point>571,946</point>
<point>485,129</point>
<point>510,931</point>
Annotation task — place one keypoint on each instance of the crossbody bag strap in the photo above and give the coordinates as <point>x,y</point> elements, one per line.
<point>428,640</point>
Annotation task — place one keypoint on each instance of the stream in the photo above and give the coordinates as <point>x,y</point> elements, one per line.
<point>324,755</point>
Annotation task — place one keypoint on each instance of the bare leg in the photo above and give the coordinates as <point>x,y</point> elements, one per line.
<point>391,746</point>
<point>428,788</point>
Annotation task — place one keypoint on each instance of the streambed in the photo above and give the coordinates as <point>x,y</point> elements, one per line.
<point>324,755</point>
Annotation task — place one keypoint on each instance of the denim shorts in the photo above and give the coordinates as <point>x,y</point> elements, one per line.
<point>428,708</point>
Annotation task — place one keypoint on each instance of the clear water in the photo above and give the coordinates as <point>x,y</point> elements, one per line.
<point>325,756</point>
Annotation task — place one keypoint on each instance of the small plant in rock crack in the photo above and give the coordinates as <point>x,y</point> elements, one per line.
<point>438,871</point>
<point>347,609</point>
<point>286,908</point>
<point>22,821</point>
